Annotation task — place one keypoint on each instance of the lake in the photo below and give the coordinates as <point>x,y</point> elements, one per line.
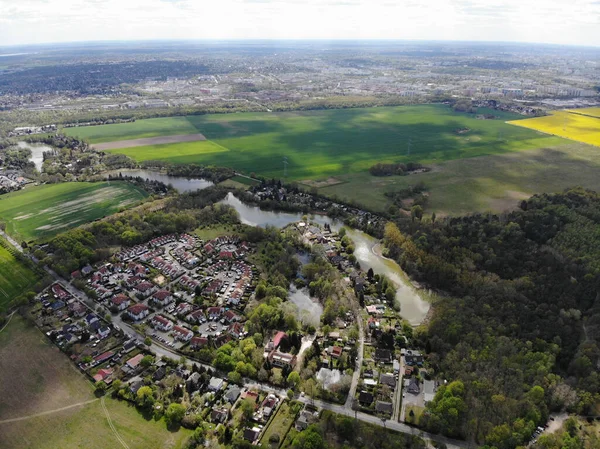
<point>37,152</point>
<point>412,307</point>
<point>255,216</point>
<point>181,184</point>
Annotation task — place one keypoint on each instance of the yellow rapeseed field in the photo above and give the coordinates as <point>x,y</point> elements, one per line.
<point>571,125</point>
<point>594,112</point>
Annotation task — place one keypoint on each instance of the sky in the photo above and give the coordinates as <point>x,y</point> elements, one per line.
<point>574,22</point>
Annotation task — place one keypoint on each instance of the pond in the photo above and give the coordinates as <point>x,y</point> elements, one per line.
<point>181,184</point>
<point>309,310</point>
<point>255,216</point>
<point>37,152</point>
<point>412,307</point>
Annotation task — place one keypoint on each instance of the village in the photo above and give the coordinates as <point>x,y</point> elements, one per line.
<point>154,305</point>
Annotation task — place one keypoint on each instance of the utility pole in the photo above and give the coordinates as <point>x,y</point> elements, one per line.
<point>285,166</point>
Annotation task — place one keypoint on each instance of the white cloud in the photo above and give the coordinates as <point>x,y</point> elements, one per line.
<point>551,21</point>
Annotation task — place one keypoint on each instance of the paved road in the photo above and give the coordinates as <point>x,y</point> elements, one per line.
<point>396,426</point>
<point>11,241</point>
<point>359,362</point>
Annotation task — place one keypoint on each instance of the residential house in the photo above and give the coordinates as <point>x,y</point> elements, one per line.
<point>183,309</point>
<point>99,359</point>
<point>215,384</point>
<point>305,419</point>
<point>365,398</point>
<point>232,393</point>
<point>236,330</point>
<point>275,341</point>
<point>103,332</point>
<point>77,309</point>
<point>388,379</point>
<point>59,292</point>
<point>144,289</point>
<point>134,362</point>
<point>159,374</point>
<point>413,358</point>
<point>182,334</point>
<point>162,298</point>
<point>198,343</point>
<point>214,312</point>
<point>282,359</point>
<point>336,351</point>
<point>251,434</point>
<point>385,408</point>
<point>120,301</point>
<point>383,355</point>
<point>161,323</point>
<point>219,415</point>
<point>138,312</point>
<point>105,375</point>
<point>413,386</point>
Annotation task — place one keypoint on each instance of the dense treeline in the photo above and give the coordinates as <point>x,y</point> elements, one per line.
<point>401,169</point>
<point>522,340</point>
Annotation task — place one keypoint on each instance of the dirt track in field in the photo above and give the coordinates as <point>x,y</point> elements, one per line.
<point>148,141</point>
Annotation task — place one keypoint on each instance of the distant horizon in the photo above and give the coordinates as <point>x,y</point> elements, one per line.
<point>35,22</point>
<point>117,42</point>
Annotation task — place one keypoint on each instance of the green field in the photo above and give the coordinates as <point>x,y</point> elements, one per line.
<point>43,211</point>
<point>324,143</point>
<point>489,183</point>
<point>37,378</point>
<point>15,277</point>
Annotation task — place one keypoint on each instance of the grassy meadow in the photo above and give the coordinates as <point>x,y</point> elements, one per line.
<point>489,183</point>
<point>48,381</point>
<point>43,211</point>
<point>319,144</point>
<point>572,125</point>
<point>15,277</point>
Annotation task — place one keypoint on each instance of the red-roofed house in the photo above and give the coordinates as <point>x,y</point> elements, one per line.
<point>276,341</point>
<point>145,289</point>
<point>182,334</point>
<point>103,357</point>
<point>104,374</point>
<point>134,361</point>
<point>59,291</point>
<point>138,312</point>
<point>198,343</point>
<point>214,312</point>
<point>162,297</point>
<point>120,301</point>
<point>161,323</point>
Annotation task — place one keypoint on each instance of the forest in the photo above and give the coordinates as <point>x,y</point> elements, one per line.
<point>518,332</point>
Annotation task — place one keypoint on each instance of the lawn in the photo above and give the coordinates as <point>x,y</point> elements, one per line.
<point>417,412</point>
<point>43,211</point>
<point>319,144</point>
<point>15,277</point>
<point>46,381</point>
<point>279,425</point>
<point>569,124</point>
